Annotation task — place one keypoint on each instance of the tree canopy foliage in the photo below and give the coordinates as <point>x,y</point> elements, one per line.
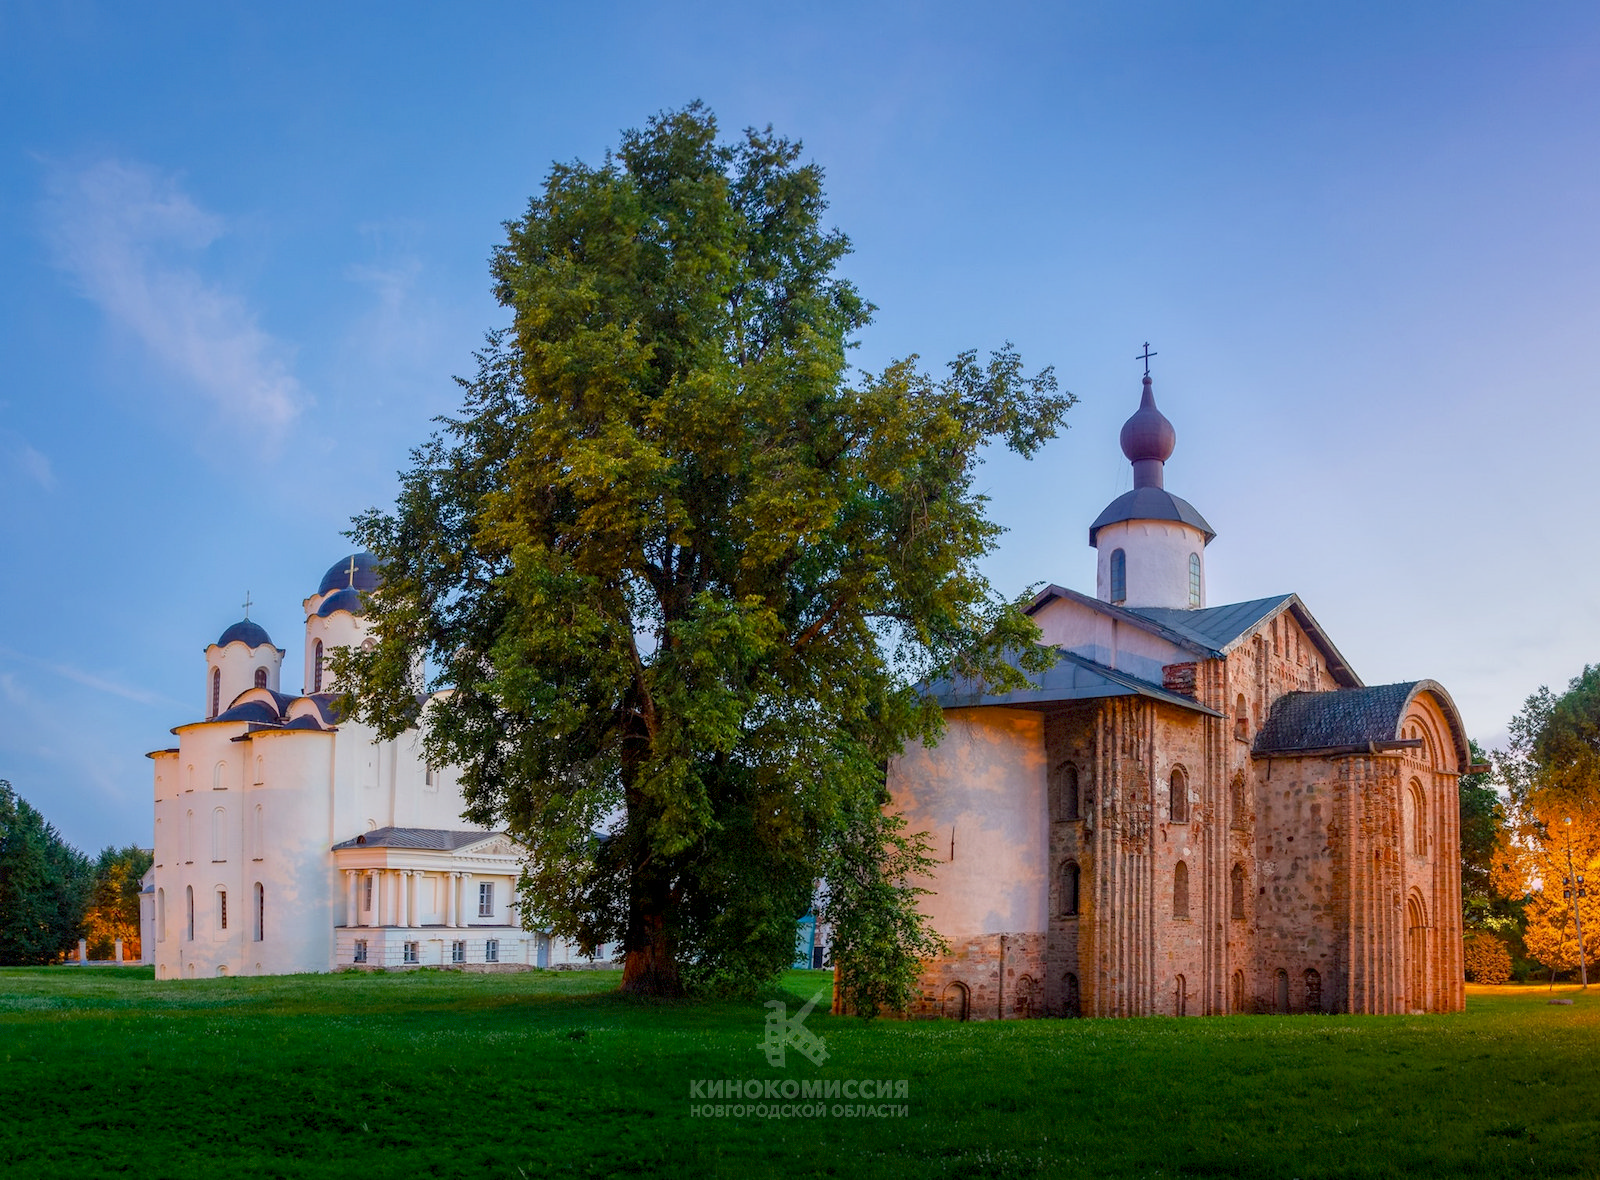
<point>113,911</point>
<point>44,885</point>
<point>682,570</point>
<point>1551,769</point>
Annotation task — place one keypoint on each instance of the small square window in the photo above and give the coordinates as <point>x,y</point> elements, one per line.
<point>360,955</point>
<point>458,952</point>
<point>410,952</point>
<point>491,951</point>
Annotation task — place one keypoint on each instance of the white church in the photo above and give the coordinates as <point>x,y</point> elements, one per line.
<point>290,840</point>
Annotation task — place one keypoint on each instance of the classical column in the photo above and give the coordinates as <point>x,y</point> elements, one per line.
<point>375,911</point>
<point>402,912</point>
<point>469,903</point>
<point>351,912</point>
<point>450,900</point>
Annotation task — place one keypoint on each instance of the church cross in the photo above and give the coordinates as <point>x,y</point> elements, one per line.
<point>1145,357</point>
<point>352,571</point>
<point>247,604</point>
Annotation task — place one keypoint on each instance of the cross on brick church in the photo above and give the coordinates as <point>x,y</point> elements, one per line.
<point>1198,810</point>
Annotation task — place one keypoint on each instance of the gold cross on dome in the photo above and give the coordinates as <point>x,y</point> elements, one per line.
<point>352,571</point>
<point>247,604</point>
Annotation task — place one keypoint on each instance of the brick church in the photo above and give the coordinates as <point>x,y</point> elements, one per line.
<point>1198,810</point>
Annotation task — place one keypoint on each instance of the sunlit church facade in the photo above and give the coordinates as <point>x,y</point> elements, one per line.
<point>289,839</point>
<point>1198,810</point>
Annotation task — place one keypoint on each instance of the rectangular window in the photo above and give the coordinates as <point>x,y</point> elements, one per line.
<point>486,899</point>
<point>458,952</point>
<point>222,909</point>
<point>491,951</point>
<point>366,894</point>
<point>361,951</point>
<point>410,954</point>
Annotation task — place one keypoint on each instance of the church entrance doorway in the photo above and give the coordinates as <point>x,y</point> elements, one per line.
<point>956,1004</point>
<point>1416,954</point>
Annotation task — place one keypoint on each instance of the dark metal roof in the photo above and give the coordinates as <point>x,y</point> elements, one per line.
<point>432,839</point>
<point>258,711</point>
<point>338,577</point>
<point>1073,678</point>
<point>1302,722</point>
<point>349,600</point>
<point>1213,631</point>
<point>1150,503</point>
<point>245,631</point>
<point>327,704</point>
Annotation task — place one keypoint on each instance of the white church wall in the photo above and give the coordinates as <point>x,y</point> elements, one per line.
<point>294,867</point>
<point>1157,553</point>
<point>982,799</point>
<point>1087,632</point>
<point>237,663</point>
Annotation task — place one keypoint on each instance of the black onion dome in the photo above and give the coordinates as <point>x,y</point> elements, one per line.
<point>245,632</point>
<point>338,576</point>
<point>346,600</point>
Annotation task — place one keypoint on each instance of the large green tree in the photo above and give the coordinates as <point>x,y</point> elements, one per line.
<point>114,901</point>
<point>682,569</point>
<point>44,885</point>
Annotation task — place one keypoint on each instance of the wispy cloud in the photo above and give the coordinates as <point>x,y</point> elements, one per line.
<point>99,683</point>
<point>131,238</point>
<point>36,466</point>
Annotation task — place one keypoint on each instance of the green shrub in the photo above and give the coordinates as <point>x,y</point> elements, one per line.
<point>1487,959</point>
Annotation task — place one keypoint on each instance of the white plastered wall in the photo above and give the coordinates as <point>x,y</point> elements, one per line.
<point>1157,554</point>
<point>238,663</point>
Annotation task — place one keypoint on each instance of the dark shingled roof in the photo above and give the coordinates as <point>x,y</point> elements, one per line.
<point>1150,503</point>
<point>1301,722</point>
<point>1073,678</point>
<point>431,839</point>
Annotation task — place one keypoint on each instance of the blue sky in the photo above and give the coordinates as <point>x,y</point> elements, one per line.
<point>243,253</point>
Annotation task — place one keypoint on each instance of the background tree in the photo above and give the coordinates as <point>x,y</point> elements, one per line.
<point>683,572</point>
<point>113,911</point>
<point>1483,826</point>
<point>44,885</point>
<point>1551,769</point>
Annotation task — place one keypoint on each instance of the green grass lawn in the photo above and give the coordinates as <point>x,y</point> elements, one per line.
<point>104,1071</point>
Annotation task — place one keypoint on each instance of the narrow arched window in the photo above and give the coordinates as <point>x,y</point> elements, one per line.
<point>1067,800</point>
<point>1069,888</point>
<point>1241,720</point>
<point>1180,997</point>
<point>1178,797</point>
<point>1119,576</point>
<point>261,678</point>
<point>216,691</point>
<point>261,912</point>
<point>1180,891</point>
<point>216,776</point>
<point>1238,991</point>
<point>1282,997</point>
<point>1236,891</point>
<point>188,901</point>
<point>222,909</point>
<point>161,915</point>
<point>258,835</point>
<point>316,667</point>
<point>1239,809</point>
<point>1419,819</point>
<point>1313,990</point>
<point>219,834</point>
<point>188,837</point>
<point>1194,579</point>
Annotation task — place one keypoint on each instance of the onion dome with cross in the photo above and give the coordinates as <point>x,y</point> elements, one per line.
<point>335,614</point>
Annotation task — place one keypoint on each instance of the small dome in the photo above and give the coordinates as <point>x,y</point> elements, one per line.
<point>245,632</point>
<point>1148,434</point>
<point>339,575</point>
<point>342,600</point>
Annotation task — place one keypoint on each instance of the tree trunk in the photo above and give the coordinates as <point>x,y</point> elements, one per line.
<point>650,968</point>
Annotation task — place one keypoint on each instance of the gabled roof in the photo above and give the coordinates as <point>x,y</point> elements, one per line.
<point>431,839</point>
<point>1213,631</point>
<point>1073,678</point>
<point>1351,718</point>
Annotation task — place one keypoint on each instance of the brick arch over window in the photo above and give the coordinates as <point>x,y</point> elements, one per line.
<point>1237,997</point>
<point>1178,796</point>
<point>1419,819</point>
<point>1236,880</point>
<point>1241,719</point>
<point>1180,891</point>
<point>1238,799</point>
<point>1067,796</point>
<point>1025,997</point>
<point>1281,998</point>
<point>956,1003</point>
